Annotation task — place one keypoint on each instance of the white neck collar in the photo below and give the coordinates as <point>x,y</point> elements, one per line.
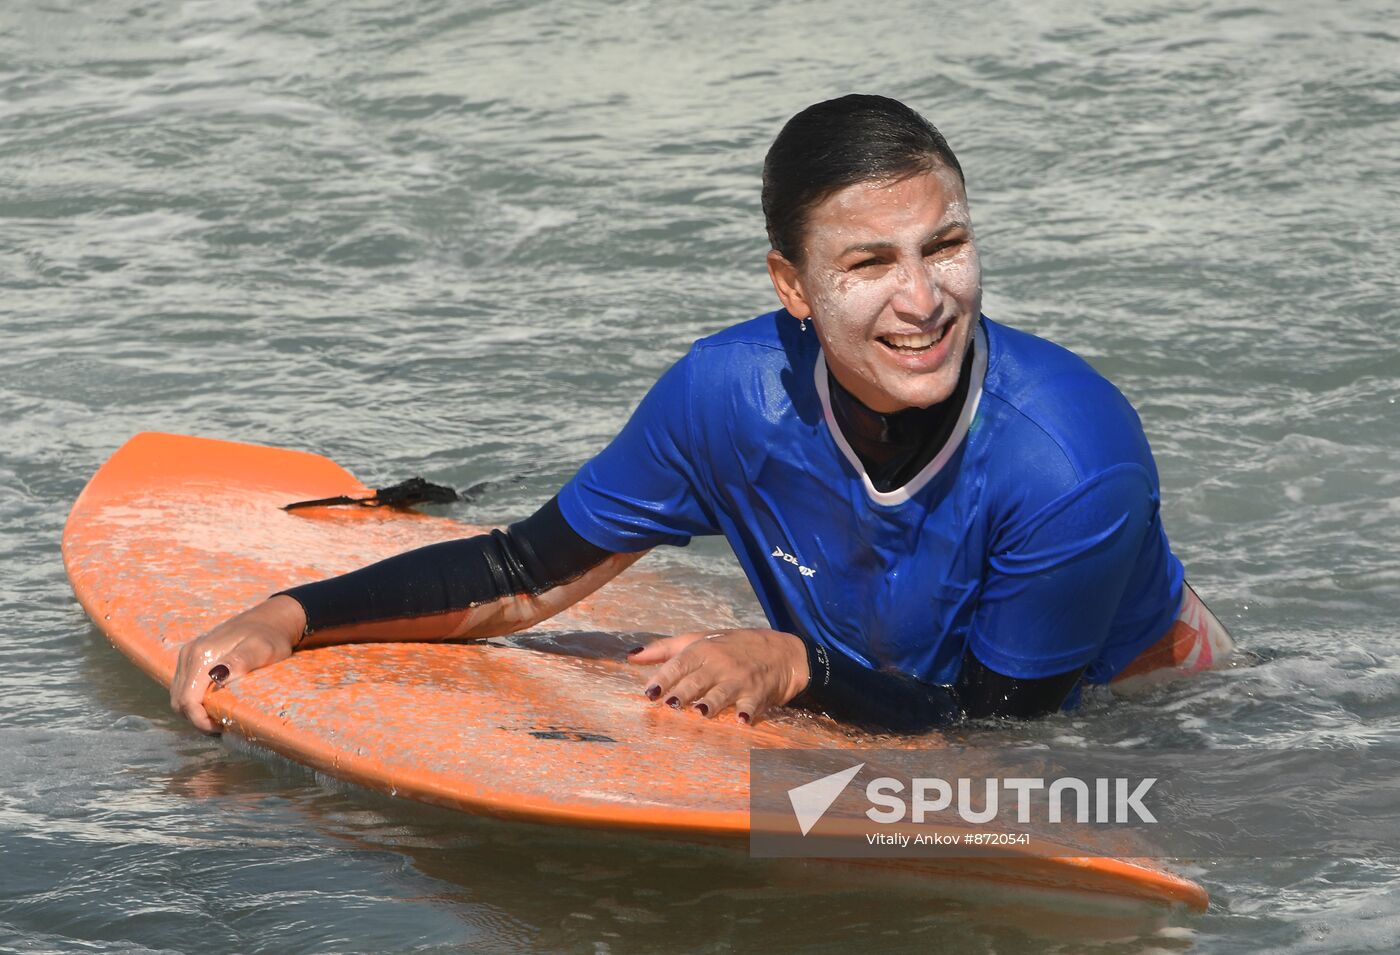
<point>969,409</point>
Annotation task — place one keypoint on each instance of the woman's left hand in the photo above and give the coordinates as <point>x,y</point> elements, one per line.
<point>751,670</point>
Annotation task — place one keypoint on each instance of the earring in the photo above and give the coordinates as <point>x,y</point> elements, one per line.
<point>802,323</point>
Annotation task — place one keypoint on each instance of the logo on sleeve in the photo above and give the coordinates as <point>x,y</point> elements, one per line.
<point>781,554</point>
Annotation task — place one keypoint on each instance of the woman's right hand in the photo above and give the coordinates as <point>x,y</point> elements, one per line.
<point>256,637</point>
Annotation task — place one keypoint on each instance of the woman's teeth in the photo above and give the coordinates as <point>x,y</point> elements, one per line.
<point>914,342</point>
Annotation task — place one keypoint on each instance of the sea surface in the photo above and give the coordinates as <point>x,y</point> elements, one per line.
<point>460,239</point>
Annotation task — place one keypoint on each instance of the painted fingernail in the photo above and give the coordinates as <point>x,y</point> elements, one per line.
<point>745,718</point>
<point>634,651</point>
<point>653,692</point>
<point>673,703</point>
<point>219,674</point>
<point>704,708</point>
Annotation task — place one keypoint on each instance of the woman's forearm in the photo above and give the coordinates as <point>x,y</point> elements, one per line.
<point>892,702</point>
<point>487,585</point>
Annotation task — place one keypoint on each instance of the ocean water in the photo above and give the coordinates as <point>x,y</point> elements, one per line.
<point>460,239</point>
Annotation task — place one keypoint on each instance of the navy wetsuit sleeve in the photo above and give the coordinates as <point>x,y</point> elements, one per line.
<point>984,692</point>
<point>892,702</point>
<point>1055,581</point>
<point>438,583</point>
<point>645,487</point>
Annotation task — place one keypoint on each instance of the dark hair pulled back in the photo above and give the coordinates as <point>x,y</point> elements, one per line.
<point>837,143</point>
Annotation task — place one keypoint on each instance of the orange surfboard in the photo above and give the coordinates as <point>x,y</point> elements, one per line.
<point>174,534</point>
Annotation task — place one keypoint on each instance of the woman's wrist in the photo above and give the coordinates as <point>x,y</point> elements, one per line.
<point>797,655</point>
<point>286,615</point>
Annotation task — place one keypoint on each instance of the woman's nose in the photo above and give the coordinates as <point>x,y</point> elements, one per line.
<point>919,294</point>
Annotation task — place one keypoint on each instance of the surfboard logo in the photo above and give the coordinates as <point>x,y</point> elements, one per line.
<point>810,801</point>
<point>781,554</point>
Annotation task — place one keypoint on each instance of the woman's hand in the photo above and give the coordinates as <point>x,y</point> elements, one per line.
<point>256,637</point>
<point>751,670</point>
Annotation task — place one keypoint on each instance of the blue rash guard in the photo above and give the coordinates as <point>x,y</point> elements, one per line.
<point>1032,541</point>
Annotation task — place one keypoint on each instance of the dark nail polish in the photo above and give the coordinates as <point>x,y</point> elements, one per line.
<point>673,703</point>
<point>745,718</point>
<point>634,651</point>
<point>653,692</point>
<point>219,674</point>
<point>704,708</point>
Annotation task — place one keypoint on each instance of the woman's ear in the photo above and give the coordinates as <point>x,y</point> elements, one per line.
<point>788,284</point>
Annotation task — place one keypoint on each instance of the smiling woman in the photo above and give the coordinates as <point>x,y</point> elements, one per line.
<point>877,238</point>
<point>892,269</point>
<point>942,517</point>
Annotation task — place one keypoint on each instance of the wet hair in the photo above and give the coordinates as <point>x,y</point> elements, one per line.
<point>838,143</point>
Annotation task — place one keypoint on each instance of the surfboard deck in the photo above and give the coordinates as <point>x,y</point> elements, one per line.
<point>174,534</point>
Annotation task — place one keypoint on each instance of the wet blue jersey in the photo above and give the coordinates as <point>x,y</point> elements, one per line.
<point>1033,538</point>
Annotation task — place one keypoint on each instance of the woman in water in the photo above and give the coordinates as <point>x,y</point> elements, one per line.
<point>943,518</point>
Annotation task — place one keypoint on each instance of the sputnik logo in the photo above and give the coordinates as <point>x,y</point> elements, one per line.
<point>810,801</point>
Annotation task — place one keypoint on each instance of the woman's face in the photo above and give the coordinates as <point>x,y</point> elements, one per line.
<point>891,280</point>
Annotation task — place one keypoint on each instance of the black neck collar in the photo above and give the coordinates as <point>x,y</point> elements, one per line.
<point>895,447</point>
